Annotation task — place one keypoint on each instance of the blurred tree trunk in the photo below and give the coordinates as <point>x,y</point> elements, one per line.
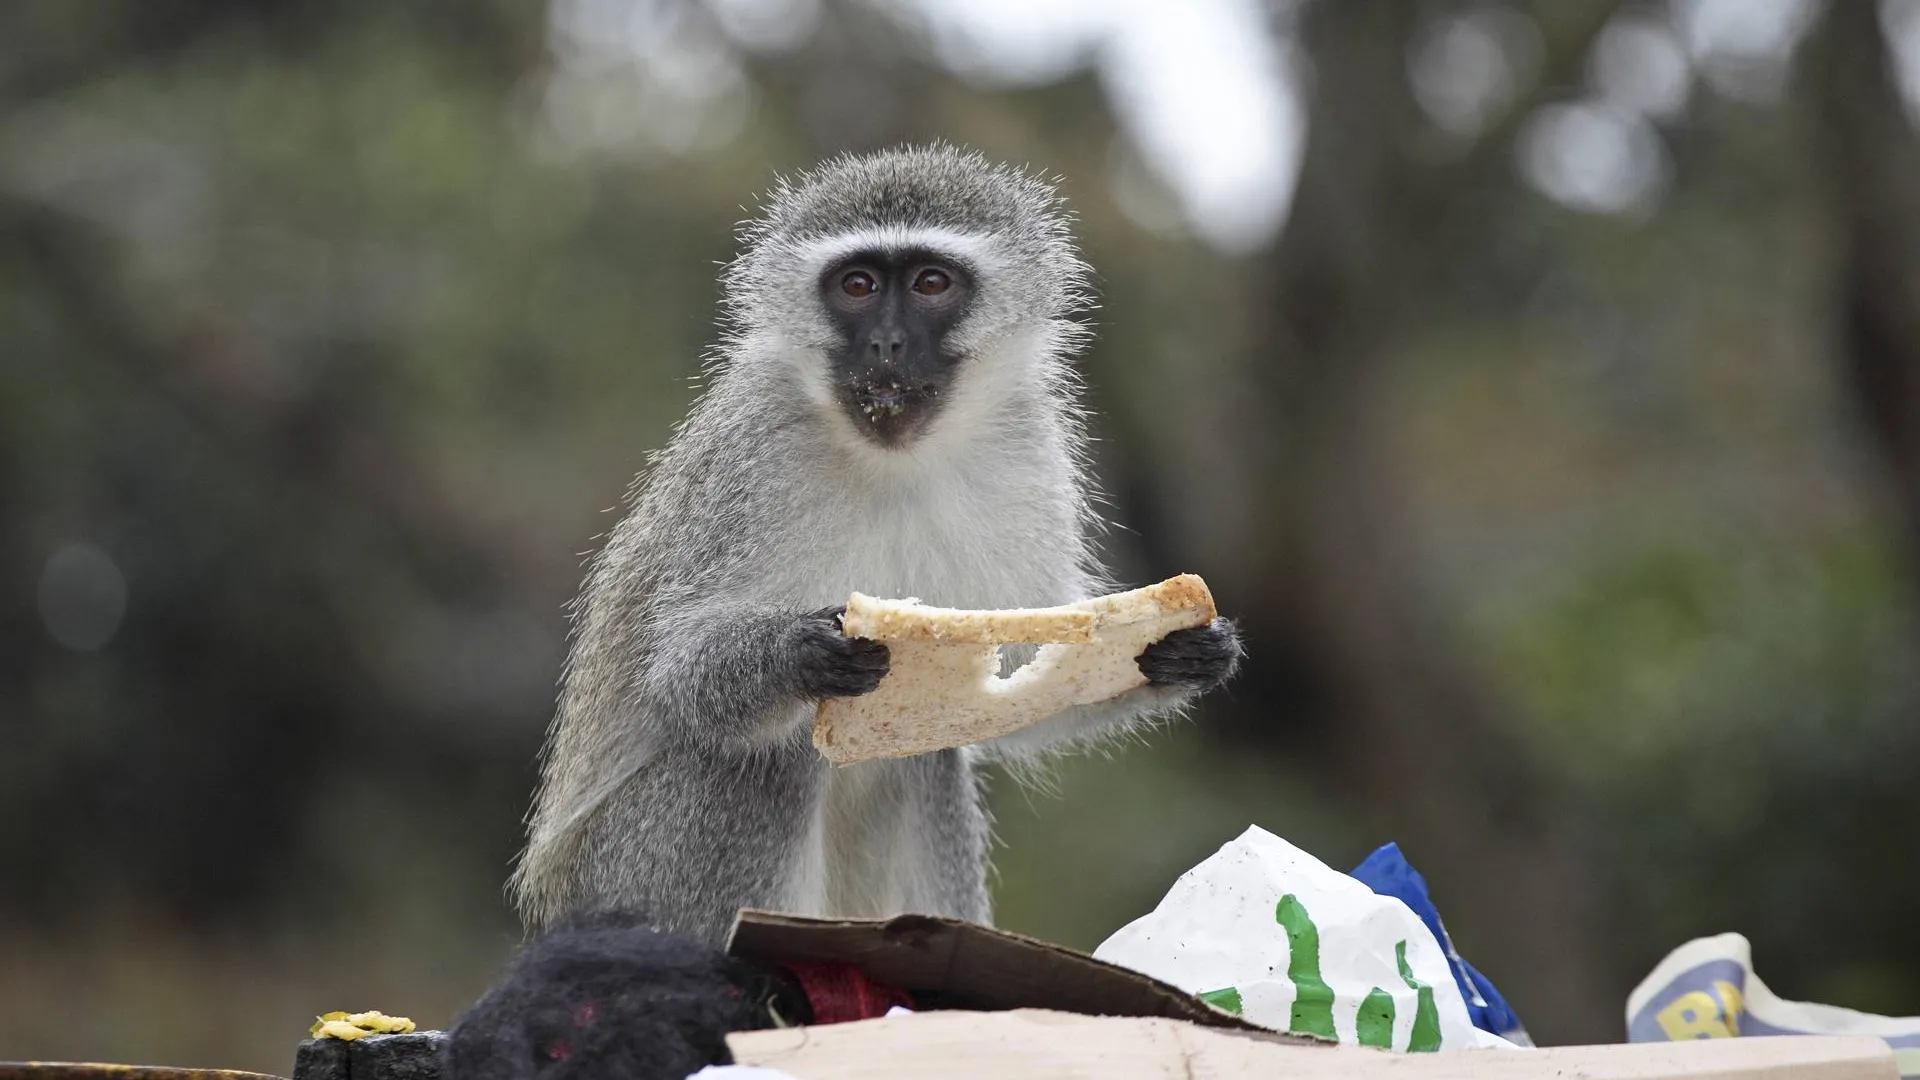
<point>1874,185</point>
<point>1351,679</point>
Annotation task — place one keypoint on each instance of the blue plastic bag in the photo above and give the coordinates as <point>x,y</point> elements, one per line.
<point>1388,873</point>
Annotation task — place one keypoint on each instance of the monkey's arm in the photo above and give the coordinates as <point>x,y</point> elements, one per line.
<point>730,671</point>
<point>1179,668</point>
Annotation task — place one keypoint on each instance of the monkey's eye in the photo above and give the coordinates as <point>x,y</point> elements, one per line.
<point>858,284</point>
<point>932,282</point>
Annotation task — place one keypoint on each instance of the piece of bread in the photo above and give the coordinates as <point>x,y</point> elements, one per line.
<point>943,688</point>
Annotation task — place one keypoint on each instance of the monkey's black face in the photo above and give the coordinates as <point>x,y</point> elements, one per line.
<point>894,364</point>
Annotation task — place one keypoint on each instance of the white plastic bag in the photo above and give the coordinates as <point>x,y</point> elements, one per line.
<point>1266,930</point>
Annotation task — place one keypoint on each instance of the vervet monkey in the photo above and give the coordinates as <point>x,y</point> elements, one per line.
<point>893,410</point>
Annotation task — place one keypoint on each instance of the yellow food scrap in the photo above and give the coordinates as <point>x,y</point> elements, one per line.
<point>381,1022</point>
<point>349,1026</point>
<point>321,1021</point>
<point>340,1029</point>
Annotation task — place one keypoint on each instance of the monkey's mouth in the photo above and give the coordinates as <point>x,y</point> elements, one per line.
<point>889,412</point>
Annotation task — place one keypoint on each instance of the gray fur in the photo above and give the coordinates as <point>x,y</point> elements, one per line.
<point>678,777</point>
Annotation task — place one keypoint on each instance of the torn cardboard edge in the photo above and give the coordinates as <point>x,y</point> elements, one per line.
<point>968,966</point>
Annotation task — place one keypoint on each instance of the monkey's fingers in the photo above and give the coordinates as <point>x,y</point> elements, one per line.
<point>1204,656</point>
<point>833,665</point>
<point>861,668</point>
<point>829,615</point>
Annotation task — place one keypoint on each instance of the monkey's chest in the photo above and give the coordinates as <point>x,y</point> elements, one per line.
<point>962,552</point>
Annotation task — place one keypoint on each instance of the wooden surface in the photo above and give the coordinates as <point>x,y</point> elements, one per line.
<point>1032,1044</point>
<point>71,1070</point>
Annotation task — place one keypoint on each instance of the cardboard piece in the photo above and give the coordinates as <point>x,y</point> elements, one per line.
<point>944,689</point>
<point>1033,1044</point>
<point>1013,1008</point>
<point>966,966</point>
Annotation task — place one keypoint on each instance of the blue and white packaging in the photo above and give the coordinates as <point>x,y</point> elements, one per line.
<point>1267,931</point>
<point>1707,989</point>
<point>1388,873</point>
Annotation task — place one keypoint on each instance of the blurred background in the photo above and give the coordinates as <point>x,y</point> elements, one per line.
<point>1539,382</point>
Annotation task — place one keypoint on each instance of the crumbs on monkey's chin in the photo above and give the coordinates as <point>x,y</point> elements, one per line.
<point>350,1026</point>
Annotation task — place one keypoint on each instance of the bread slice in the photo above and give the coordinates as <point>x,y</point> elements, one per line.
<point>944,689</point>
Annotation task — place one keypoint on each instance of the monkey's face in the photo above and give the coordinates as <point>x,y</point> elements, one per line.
<point>894,358</point>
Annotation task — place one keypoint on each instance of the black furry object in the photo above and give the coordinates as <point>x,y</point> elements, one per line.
<point>605,997</point>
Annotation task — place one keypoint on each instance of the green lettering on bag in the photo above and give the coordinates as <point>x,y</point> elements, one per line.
<point>1312,998</point>
<point>1373,1024</point>
<point>1426,1018</point>
<point>1227,999</point>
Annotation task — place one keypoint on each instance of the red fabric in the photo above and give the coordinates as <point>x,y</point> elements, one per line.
<point>841,992</point>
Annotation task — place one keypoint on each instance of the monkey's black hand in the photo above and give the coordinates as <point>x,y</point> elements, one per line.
<point>831,664</point>
<point>1201,658</point>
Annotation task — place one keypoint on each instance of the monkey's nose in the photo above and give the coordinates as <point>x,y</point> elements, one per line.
<point>886,345</point>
